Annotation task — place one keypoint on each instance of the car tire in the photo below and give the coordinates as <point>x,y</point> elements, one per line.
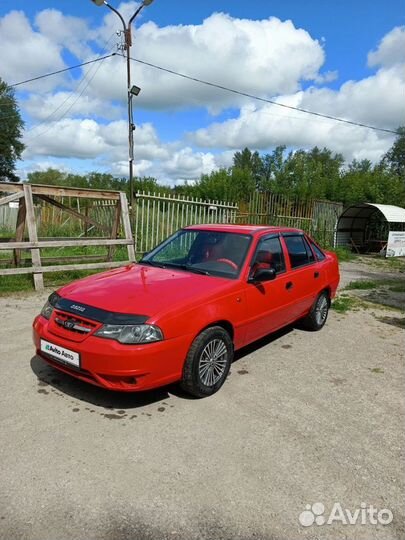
<point>316,318</point>
<point>208,362</point>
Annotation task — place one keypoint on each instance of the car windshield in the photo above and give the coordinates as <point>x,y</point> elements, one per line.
<point>203,252</point>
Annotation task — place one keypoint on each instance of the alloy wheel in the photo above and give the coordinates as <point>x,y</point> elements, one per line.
<point>321,310</point>
<point>213,362</point>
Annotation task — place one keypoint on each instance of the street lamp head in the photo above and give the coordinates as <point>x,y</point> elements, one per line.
<point>98,2</point>
<point>135,90</point>
<point>145,2</point>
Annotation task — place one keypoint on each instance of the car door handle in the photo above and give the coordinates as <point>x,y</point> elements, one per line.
<point>289,285</point>
<point>316,274</point>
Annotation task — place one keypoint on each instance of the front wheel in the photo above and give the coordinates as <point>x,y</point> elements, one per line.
<point>316,318</point>
<point>208,362</point>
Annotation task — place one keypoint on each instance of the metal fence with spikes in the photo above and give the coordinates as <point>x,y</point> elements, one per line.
<point>159,215</point>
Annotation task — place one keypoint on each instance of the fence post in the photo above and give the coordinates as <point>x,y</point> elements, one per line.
<point>19,234</point>
<point>127,225</point>
<point>33,237</point>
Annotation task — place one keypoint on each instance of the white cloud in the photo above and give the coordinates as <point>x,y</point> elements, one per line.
<point>326,77</point>
<point>65,31</point>
<point>55,105</point>
<point>66,138</point>
<point>262,57</point>
<point>26,53</point>
<point>186,163</point>
<point>376,100</point>
<point>106,144</point>
<point>85,118</point>
<point>391,49</point>
<point>267,126</point>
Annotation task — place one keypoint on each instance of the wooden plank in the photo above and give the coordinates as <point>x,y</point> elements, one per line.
<point>11,187</point>
<point>10,198</point>
<point>66,243</point>
<point>26,261</point>
<point>127,226</point>
<point>75,213</point>
<point>38,189</point>
<point>19,232</point>
<point>64,268</point>
<point>32,235</point>
<point>83,193</point>
<point>114,231</point>
<point>60,238</point>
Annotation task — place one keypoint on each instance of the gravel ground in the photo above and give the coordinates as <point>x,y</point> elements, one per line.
<point>303,418</point>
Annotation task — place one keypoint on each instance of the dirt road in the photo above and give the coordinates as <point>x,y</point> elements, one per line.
<point>303,418</point>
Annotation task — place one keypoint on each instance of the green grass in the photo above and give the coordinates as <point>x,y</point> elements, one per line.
<point>121,252</point>
<point>24,282</point>
<point>344,254</point>
<point>363,284</point>
<point>392,264</point>
<point>342,304</point>
<point>19,283</point>
<point>367,284</point>
<point>396,263</point>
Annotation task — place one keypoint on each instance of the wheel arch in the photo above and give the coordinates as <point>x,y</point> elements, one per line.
<point>226,325</point>
<point>328,292</point>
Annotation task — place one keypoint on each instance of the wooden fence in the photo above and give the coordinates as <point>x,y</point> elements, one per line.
<point>26,218</point>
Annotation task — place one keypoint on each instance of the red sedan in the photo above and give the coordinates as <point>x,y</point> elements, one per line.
<point>181,312</point>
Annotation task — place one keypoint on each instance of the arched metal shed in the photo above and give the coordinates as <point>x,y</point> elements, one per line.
<point>365,226</point>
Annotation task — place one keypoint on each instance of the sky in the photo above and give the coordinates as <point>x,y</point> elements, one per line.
<point>341,58</point>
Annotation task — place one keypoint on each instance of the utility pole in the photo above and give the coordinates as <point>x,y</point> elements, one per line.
<point>131,90</point>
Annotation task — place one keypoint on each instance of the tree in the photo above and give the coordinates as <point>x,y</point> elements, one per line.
<point>395,157</point>
<point>11,126</point>
<point>248,161</point>
<point>272,170</point>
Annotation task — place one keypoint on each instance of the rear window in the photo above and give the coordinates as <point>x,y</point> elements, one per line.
<point>299,251</point>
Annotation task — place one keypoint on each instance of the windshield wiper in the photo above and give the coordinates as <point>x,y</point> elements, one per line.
<point>189,268</point>
<point>197,270</point>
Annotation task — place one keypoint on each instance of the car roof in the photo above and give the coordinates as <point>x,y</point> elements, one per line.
<point>241,229</point>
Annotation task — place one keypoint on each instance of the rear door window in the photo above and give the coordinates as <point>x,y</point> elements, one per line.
<point>299,251</point>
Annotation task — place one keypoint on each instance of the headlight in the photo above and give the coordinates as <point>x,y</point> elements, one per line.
<point>48,308</point>
<point>139,333</point>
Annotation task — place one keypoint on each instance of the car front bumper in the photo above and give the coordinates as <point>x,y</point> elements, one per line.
<point>112,365</point>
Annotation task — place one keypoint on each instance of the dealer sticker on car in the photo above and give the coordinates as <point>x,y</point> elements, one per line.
<point>60,353</point>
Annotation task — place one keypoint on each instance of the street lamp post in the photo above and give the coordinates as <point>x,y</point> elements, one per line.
<point>131,91</point>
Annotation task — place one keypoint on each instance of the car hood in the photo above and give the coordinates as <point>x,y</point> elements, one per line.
<point>144,290</point>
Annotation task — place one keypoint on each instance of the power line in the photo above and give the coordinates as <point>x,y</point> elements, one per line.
<point>88,74</point>
<point>63,70</point>
<point>257,98</point>
<point>214,85</point>
<point>36,136</point>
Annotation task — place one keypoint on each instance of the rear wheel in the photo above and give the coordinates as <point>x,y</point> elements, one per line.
<point>208,362</point>
<point>316,318</point>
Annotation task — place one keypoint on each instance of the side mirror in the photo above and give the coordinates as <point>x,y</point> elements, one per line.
<point>263,274</point>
